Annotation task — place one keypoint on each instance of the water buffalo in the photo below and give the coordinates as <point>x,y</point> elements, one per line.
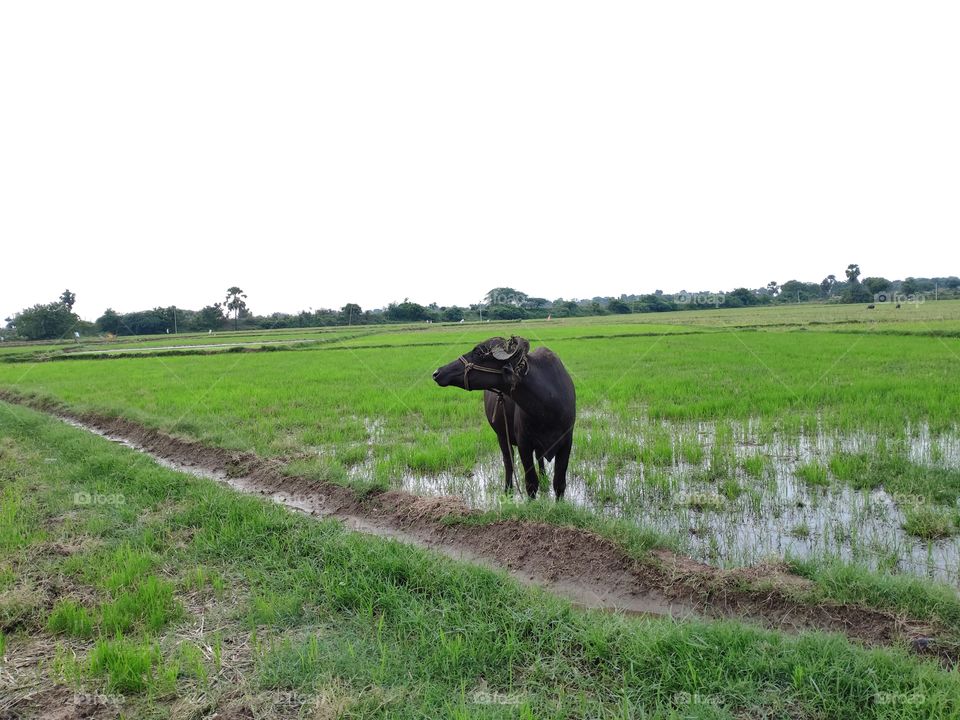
<point>529,401</point>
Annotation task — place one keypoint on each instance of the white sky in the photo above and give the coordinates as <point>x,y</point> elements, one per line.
<point>322,153</point>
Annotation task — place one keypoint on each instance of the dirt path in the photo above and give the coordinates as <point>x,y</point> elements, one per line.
<point>587,569</point>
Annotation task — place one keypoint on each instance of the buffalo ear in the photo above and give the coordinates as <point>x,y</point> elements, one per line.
<point>520,345</point>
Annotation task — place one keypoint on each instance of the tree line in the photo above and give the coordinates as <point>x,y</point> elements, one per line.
<point>57,320</point>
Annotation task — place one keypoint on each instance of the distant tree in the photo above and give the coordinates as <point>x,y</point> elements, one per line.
<point>505,296</point>
<point>911,286</point>
<point>452,314</point>
<point>45,322</point>
<point>351,313</point>
<point>618,307</point>
<point>209,317</point>
<point>571,307</point>
<point>110,322</point>
<point>235,303</point>
<point>407,312</point>
<point>742,296</point>
<point>773,289</point>
<point>876,285</point>
<point>827,285</point>
<point>796,291</point>
<point>855,292</point>
<point>506,311</point>
<point>68,299</point>
<point>653,303</point>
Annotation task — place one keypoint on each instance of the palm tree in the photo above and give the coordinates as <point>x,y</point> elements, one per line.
<point>235,303</point>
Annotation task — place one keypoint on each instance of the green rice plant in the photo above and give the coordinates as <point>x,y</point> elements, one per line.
<point>68,617</point>
<point>151,603</point>
<point>813,474</point>
<point>129,666</point>
<point>756,466</point>
<point>929,523</point>
<point>189,661</point>
<point>730,489</point>
<point>18,520</point>
<point>203,579</point>
<point>657,450</point>
<point>690,450</point>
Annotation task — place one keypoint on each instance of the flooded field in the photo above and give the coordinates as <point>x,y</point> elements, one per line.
<point>735,495</point>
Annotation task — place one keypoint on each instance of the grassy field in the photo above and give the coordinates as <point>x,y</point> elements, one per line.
<point>133,591</point>
<point>823,435</point>
<point>737,440</point>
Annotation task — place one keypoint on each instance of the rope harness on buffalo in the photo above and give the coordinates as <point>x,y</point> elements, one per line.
<point>519,368</point>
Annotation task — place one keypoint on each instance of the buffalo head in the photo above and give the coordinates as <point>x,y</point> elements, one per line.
<point>494,364</point>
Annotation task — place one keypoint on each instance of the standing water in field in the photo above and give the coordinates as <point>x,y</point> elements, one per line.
<point>735,494</point>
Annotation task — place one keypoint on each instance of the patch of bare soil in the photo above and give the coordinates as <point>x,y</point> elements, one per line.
<point>590,570</point>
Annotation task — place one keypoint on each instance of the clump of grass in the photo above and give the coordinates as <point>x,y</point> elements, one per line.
<point>3,645</point>
<point>731,489</point>
<point>18,520</point>
<point>929,523</point>
<point>846,582</point>
<point>813,474</point>
<point>68,617</point>
<point>203,579</point>
<point>690,450</point>
<point>129,666</point>
<point>657,451</point>
<point>20,607</point>
<point>151,603</point>
<point>800,530</point>
<point>755,466</point>
<point>893,471</point>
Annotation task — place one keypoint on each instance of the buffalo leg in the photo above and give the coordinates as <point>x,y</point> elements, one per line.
<point>507,451</point>
<point>560,469</point>
<point>529,470</point>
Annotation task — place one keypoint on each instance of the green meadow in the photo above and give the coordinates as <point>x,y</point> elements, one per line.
<point>138,592</point>
<point>825,437</point>
<point>697,425</point>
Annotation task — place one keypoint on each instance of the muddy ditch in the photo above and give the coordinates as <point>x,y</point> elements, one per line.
<point>587,569</point>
